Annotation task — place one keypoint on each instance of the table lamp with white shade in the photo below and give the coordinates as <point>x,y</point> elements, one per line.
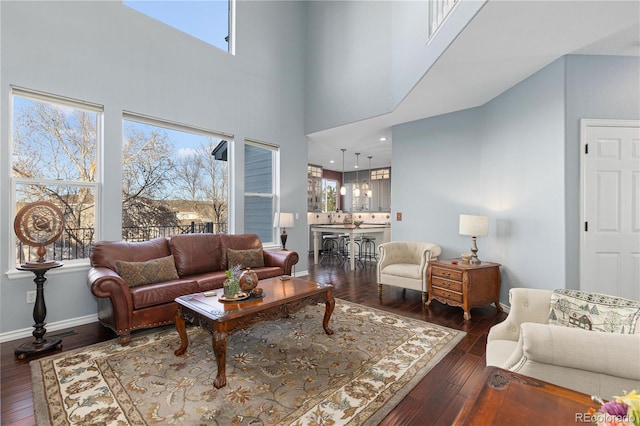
<point>476,226</point>
<point>283,220</point>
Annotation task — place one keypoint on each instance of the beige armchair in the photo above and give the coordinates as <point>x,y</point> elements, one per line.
<point>404,264</point>
<point>597,361</point>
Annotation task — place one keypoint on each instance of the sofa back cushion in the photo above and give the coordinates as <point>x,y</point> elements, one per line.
<point>594,311</point>
<point>237,242</point>
<point>196,253</point>
<point>106,253</point>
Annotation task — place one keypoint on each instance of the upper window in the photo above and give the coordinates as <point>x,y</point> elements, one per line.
<point>329,195</point>
<point>171,182</point>
<point>55,144</point>
<point>260,189</point>
<point>209,21</point>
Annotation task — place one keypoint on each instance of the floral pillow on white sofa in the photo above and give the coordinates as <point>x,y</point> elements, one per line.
<point>593,311</point>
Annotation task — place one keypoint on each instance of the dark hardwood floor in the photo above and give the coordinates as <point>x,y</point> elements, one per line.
<point>436,400</point>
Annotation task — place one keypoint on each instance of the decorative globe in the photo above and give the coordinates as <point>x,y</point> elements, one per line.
<point>248,280</point>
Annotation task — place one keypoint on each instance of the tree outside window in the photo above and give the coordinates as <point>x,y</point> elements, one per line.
<point>55,143</point>
<point>171,183</point>
<point>329,195</point>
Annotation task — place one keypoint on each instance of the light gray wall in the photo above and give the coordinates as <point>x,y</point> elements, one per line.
<point>515,159</point>
<point>109,54</point>
<point>411,55</point>
<point>522,181</point>
<point>360,45</point>
<point>351,54</point>
<point>602,87</point>
<point>436,163</point>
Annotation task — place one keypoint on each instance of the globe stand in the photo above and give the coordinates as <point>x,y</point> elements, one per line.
<point>40,344</point>
<point>39,224</point>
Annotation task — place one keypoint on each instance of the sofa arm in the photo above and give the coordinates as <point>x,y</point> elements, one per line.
<point>611,354</point>
<point>106,283</point>
<point>282,258</point>
<point>527,305</point>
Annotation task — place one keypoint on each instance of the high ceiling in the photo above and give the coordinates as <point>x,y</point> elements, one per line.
<point>473,71</point>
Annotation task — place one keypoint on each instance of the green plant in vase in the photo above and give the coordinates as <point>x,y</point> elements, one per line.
<point>232,283</point>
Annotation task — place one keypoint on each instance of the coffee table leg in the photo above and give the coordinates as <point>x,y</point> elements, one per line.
<point>219,341</point>
<point>182,332</point>
<point>328,310</point>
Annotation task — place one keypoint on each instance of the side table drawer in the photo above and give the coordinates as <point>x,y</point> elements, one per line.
<point>446,273</point>
<point>446,284</point>
<point>450,295</point>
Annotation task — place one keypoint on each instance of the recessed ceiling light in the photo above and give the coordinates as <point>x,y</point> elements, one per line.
<point>331,161</point>
<point>382,139</point>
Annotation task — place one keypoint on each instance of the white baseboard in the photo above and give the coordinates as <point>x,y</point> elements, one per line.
<point>54,326</point>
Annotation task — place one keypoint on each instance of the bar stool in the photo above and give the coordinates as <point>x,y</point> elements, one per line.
<point>343,245</point>
<point>368,249</point>
<point>357,248</point>
<point>331,249</point>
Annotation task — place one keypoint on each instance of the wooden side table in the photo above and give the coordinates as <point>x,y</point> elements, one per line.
<point>504,398</point>
<point>463,284</point>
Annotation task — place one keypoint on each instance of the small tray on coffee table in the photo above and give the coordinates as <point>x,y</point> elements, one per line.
<point>239,296</point>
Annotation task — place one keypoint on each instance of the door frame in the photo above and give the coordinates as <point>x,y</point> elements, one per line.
<point>585,123</point>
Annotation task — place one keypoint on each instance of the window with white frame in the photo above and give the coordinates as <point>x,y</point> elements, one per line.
<point>260,189</point>
<point>329,195</point>
<point>209,21</point>
<point>172,183</point>
<point>55,143</point>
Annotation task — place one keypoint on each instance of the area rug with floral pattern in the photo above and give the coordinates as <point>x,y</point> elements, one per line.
<point>283,372</point>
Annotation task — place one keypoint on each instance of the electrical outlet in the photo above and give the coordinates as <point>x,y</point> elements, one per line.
<point>31,296</point>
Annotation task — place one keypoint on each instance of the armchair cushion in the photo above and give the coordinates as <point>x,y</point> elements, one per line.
<point>590,361</point>
<point>593,311</point>
<point>604,353</point>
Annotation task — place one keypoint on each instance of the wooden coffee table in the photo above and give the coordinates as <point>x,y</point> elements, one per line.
<point>281,298</point>
<point>507,398</point>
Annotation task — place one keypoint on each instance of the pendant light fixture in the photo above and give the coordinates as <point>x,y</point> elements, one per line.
<point>343,189</point>
<point>356,188</point>
<point>369,190</point>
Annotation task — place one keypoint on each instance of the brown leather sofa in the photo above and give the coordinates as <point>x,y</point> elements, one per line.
<point>200,260</point>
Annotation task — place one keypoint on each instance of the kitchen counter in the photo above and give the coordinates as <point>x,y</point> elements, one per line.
<point>340,228</point>
<point>351,226</point>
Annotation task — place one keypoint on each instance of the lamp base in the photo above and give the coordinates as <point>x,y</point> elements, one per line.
<point>283,240</point>
<point>474,250</point>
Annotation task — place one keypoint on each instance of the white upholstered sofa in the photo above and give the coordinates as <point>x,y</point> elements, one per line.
<point>583,341</point>
<point>404,264</point>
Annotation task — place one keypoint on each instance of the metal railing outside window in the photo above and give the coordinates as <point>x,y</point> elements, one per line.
<point>76,243</point>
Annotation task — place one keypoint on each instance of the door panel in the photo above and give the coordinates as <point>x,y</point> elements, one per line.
<point>610,258</point>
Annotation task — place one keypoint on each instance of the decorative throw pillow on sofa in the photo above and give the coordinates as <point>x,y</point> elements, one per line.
<point>594,311</point>
<point>252,258</point>
<point>149,272</point>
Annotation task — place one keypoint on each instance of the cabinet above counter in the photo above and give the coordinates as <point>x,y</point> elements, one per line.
<point>366,191</point>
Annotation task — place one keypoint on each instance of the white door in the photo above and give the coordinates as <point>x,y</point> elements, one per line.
<point>610,243</point>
